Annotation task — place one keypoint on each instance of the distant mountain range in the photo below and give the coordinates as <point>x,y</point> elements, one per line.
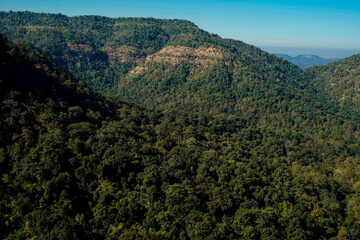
<point>307,60</point>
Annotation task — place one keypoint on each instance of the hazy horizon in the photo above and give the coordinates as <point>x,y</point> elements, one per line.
<point>321,52</point>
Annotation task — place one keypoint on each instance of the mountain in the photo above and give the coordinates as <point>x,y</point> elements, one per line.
<point>172,64</point>
<point>163,57</point>
<point>340,80</point>
<point>307,60</point>
<point>100,50</point>
<point>78,165</point>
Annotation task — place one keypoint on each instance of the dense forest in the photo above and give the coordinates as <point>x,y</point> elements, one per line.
<point>263,149</point>
<point>340,81</point>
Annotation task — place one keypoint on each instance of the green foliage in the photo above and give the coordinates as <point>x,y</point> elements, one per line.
<point>77,44</point>
<point>77,165</point>
<point>340,81</point>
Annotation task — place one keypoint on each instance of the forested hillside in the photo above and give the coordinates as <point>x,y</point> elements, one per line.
<point>202,138</point>
<point>100,50</point>
<point>160,63</point>
<point>340,80</point>
<point>172,64</point>
<point>77,165</point>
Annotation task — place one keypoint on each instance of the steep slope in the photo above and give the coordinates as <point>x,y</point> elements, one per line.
<point>340,80</point>
<point>99,50</point>
<point>167,64</point>
<point>307,60</point>
<point>77,165</point>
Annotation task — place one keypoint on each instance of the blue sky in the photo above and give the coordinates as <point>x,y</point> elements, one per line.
<point>329,28</point>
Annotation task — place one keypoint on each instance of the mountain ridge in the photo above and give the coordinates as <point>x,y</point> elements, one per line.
<point>307,60</point>
<point>172,64</point>
<point>127,50</point>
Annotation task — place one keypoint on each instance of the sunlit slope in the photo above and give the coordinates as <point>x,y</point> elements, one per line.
<point>161,63</point>
<point>340,80</point>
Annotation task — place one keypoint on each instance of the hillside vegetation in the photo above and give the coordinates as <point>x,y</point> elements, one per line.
<point>77,165</point>
<point>340,80</point>
<point>100,50</point>
<point>158,63</point>
<point>203,138</point>
<point>172,64</point>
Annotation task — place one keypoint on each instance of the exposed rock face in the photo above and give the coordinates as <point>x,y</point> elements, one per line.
<point>34,28</point>
<point>137,70</point>
<point>121,53</point>
<point>176,54</point>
